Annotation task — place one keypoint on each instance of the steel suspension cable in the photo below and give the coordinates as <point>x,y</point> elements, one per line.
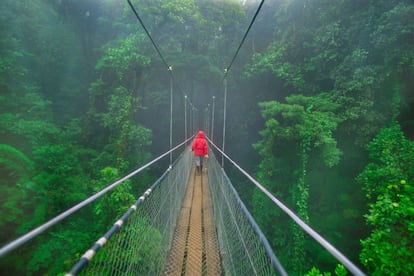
<point>226,71</point>
<point>148,34</point>
<point>171,110</point>
<point>243,39</point>
<point>224,120</point>
<point>324,243</point>
<point>185,117</point>
<point>212,119</point>
<point>169,67</point>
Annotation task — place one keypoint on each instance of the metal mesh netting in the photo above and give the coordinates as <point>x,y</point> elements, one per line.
<point>142,243</point>
<point>241,242</point>
<point>195,247</point>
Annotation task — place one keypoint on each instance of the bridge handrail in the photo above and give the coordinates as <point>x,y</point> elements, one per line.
<point>40,229</point>
<point>268,249</point>
<point>324,243</point>
<point>89,254</point>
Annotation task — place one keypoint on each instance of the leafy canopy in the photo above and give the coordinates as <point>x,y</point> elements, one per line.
<point>388,182</point>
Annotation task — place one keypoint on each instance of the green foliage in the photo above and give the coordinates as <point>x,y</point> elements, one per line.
<point>316,272</point>
<point>55,250</point>
<point>308,119</point>
<point>339,271</point>
<point>115,105</point>
<point>359,54</point>
<point>347,50</point>
<point>118,200</point>
<point>390,153</point>
<point>124,58</point>
<point>15,161</point>
<point>387,182</point>
<point>27,117</point>
<point>275,62</point>
<point>9,65</point>
<point>16,186</point>
<point>119,105</point>
<point>309,122</point>
<point>180,11</point>
<point>391,35</point>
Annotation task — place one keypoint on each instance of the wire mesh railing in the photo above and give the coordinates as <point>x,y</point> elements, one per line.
<point>143,240</point>
<point>145,232</point>
<point>244,248</point>
<point>334,252</point>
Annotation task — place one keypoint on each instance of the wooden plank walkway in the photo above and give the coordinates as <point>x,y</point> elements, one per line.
<point>195,249</point>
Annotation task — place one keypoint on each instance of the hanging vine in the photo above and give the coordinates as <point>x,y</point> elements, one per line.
<point>310,123</point>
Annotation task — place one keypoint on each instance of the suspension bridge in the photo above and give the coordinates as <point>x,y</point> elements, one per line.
<point>185,223</point>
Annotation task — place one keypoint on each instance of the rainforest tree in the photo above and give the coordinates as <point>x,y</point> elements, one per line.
<point>344,50</point>
<point>387,181</point>
<point>306,124</point>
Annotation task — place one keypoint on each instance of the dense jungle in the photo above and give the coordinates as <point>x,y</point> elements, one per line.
<point>320,109</point>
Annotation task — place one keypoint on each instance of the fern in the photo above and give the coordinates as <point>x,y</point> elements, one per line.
<point>16,162</point>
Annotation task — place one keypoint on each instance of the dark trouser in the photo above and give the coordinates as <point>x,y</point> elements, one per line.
<point>199,163</point>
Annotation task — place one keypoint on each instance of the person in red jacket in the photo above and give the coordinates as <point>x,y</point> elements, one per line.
<point>200,149</point>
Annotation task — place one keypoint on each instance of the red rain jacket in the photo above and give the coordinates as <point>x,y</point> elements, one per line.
<point>199,145</point>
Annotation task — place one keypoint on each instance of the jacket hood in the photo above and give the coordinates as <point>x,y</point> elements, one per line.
<point>200,134</point>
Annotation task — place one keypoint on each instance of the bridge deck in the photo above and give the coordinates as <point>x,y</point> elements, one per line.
<point>195,248</point>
